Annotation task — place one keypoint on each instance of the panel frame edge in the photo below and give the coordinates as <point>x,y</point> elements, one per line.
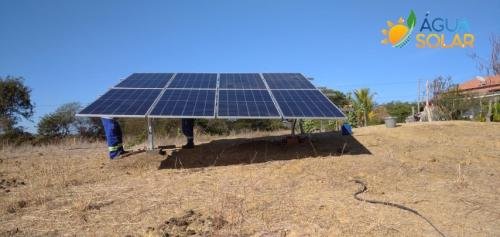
<point>272,96</point>
<point>155,102</point>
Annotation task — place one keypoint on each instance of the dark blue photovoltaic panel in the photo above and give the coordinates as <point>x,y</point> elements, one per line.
<point>241,81</point>
<point>123,102</point>
<point>186,103</point>
<point>305,103</point>
<point>146,80</point>
<point>287,81</point>
<point>193,95</point>
<point>194,80</point>
<point>246,103</point>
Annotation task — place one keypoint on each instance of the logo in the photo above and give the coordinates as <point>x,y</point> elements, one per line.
<point>437,32</point>
<point>399,34</point>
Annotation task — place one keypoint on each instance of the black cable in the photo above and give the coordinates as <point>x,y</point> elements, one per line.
<point>364,188</point>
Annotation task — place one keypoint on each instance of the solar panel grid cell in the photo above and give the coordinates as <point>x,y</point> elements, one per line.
<point>123,102</point>
<point>246,103</point>
<point>145,80</point>
<point>241,81</point>
<point>305,103</point>
<point>185,103</point>
<point>287,81</point>
<point>194,80</point>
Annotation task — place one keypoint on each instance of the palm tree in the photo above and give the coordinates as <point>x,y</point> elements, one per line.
<point>364,102</point>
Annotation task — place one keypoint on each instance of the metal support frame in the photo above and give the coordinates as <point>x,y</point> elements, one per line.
<point>151,134</point>
<point>301,126</point>
<point>272,96</point>
<point>150,119</point>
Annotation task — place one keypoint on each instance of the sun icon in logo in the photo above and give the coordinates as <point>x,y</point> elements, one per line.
<point>399,34</point>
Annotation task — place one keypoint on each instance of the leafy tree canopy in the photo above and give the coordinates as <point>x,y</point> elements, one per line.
<point>63,122</point>
<point>400,110</point>
<point>15,103</point>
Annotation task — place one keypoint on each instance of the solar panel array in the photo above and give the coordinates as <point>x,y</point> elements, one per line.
<point>214,95</point>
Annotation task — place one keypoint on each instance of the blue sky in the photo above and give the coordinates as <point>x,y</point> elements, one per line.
<point>75,50</point>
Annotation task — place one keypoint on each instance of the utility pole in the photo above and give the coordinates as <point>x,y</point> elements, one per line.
<point>418,96</point>
<point>427,107</point>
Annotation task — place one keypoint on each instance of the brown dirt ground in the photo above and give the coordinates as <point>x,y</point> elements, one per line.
<point>230,186</point>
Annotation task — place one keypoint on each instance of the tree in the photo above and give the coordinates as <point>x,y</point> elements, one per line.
<point>363,103</point>
<point>338,98</point>
<point>15,103</point>
<point>377,115</point>
<point>89,127</point>
<point>255,125</point>
<point>489,66</point>
<point>213,126</point>
<point>448,101</point>
<point>63,122</point>
<point>352,117</point>
<point>453,104</point>
<point>400,110</point>
<point>58,124</point>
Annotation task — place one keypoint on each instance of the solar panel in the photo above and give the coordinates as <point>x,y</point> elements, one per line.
<point>194,80</point>
<point>246,103</point>
<point>146,80</point>
<point>210,95</point>
<point>287,81</point>
<point>241,81</point>
<point>185,103</point>
<point>134,102</point>
<point>305,104</point>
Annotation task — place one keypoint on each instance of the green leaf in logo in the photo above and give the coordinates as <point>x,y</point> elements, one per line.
<point>411,20</point>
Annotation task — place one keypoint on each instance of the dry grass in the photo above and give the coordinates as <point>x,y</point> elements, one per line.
<point>448,171</point>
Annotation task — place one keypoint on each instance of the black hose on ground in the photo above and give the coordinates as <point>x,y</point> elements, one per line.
<point>364,188</point>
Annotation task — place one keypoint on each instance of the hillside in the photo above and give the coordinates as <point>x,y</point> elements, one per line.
<point>239,186</point>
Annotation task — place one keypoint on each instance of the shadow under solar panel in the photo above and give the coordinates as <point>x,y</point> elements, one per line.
<point>122,102</point>
<point>185,103</point>
<point>246,104</point>
<point>145,80</point>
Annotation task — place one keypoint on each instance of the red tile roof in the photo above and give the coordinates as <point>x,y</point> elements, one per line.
<point>488,85</point>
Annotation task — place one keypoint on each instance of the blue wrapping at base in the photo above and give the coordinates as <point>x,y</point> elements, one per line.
<point>113,137</point>
<point>346,129</point>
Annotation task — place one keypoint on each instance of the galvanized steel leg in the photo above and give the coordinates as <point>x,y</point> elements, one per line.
<point>151,143</point>
<point>301,126</point>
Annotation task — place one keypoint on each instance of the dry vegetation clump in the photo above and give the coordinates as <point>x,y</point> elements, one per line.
<point>255,185</point>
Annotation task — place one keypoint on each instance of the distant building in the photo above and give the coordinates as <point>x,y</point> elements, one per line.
<point>486,89</point>
<point>482,85</point>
